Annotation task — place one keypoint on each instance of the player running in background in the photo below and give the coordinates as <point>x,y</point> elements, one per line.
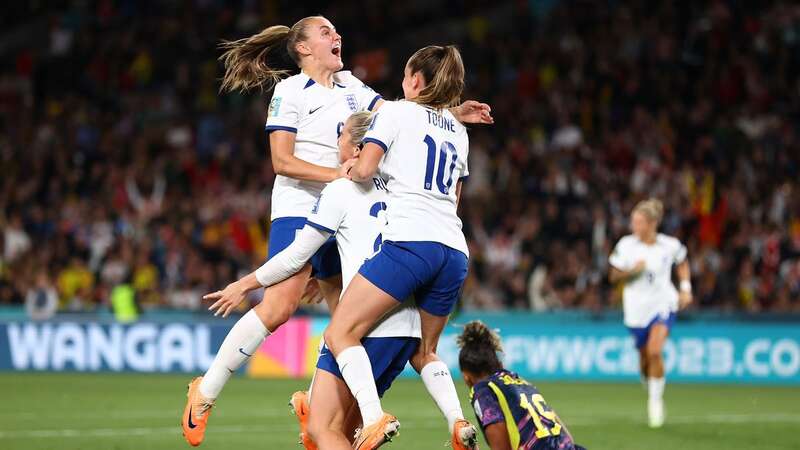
<point>354,214</point>
<point>511,412</point>
<point>424,151</point>
<point>643,261</point>
<point>305,114</point>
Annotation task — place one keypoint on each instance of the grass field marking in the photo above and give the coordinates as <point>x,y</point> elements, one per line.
<point>411,424</point>
<point>139,431</point>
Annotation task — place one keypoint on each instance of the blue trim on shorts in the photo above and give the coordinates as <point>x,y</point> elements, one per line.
<point>640,335</point>
<point>325,263</point>
<point>433,272</point>
<point>387,355</point>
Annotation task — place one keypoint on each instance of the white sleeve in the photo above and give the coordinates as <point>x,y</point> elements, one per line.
<point>291,259</point>
<point>366,97</point>
<point>384,127</point>
<point>680,253</point>
<point>331,207</point>
<point>618,259</point>
<point>284,110</point>
<point>465,172</point>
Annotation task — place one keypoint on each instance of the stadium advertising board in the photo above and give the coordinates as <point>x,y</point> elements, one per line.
<point>714,351</point>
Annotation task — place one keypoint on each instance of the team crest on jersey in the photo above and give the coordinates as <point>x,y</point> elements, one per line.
<point>274,106</point>
<point>351,102</point>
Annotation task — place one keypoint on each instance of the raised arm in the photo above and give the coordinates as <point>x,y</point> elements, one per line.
<point>282,266</point>
<point>281,143</point>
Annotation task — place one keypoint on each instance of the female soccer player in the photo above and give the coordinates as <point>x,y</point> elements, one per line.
<point>305,114</point>
<point>511,412</point>
<point>354,214</point>
<point>424,253</point>
<point>643,261</point>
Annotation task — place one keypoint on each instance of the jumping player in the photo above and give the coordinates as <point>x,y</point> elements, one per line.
<point>306,112</point>
<point>643,261</point>
<point>424,253</point>
<point>355,214</point>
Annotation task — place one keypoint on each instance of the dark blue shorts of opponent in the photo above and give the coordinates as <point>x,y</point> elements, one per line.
<point>433,272</point>
<point>640,335</point>
<point>387,355</point>
<point>324,264</point>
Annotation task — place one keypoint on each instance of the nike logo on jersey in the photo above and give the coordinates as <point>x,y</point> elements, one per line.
<point>314,110</point>
<point>242,352</point>
<point>191,425</point>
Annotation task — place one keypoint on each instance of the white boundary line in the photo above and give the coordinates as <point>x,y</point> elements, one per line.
<point>576,422</point>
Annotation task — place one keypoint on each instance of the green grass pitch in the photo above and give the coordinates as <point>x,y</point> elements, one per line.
<point>112,411</point>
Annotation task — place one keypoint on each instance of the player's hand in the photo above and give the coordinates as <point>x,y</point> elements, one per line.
<point>684,299</point>
<point>312,294</point>
<point>472,111</point>
<point>344,169</point>
<point>227,299</point>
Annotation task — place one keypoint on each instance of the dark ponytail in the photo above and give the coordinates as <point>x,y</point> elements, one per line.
<point>479,348</point>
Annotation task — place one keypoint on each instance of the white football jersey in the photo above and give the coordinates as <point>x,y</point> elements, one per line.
<point>316,114</point>
<point>425,157</point>
<point>652,293</point>
<point>355,214</point>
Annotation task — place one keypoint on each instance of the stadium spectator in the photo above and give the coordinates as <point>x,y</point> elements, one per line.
<point>120,161</point>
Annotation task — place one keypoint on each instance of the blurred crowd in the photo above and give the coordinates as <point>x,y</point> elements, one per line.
<point>122,165</point>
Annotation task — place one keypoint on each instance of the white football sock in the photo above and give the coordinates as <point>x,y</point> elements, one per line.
<point>239,345</point>
<point>357,373</point>
<point>439,384</point>
<point>655,388</point>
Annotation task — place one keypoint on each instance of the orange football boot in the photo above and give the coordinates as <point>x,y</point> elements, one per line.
<point>195,414</point>
<point>299,406</point>
<point>465,436</point>
<point>377,434</point>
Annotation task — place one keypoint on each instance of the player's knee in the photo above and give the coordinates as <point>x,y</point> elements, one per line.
<point>274,314</point>
<point>653,353</point>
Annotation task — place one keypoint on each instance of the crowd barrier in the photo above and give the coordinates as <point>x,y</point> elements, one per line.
<point>538,346</point>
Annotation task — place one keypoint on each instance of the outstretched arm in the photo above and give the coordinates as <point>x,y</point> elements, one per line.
<point>282,266</point>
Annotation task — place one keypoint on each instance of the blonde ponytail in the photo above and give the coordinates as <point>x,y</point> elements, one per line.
<point>249,61</point>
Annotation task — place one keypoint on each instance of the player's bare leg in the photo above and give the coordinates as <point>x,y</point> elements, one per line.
<point>643,365</point>
<point>655,374</point>
<point>351,321</point>
<point>439,383</point>
<point>277,306</point>
<point>329,409</point>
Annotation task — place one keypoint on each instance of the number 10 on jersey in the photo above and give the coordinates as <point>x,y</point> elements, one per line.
<point>445,149</point>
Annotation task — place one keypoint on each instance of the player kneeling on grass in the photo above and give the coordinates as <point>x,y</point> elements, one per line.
<point>511,412</point>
